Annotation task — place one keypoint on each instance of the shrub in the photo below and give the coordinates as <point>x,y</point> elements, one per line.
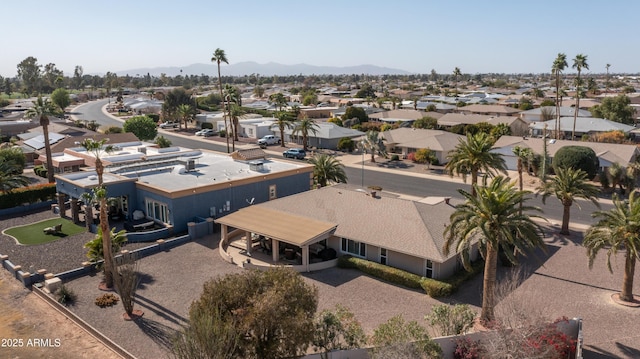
<point>411,156</point>
<point>346,144</point>
<point>31,194</point>
<point>222,133</point>
<point>467,349</point>
<point>206,125</point>
<point>395,158</point>
<point>106,300</point>
<point>113,129</point>
<point>65,295</point>
<point>577,157</point>
<point>154,116</point>
<point>40,171</point>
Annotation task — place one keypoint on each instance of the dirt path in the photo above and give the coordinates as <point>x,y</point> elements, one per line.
<point>30,328</point>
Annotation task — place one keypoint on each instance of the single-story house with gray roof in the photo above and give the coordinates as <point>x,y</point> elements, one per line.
<point>584,126</point>
<point>383,228</point>
<point>407,140</point>
<point>327,135</point>
<point>608,153</point>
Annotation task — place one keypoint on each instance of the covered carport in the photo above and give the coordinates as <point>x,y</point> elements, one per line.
<point>280,226</point>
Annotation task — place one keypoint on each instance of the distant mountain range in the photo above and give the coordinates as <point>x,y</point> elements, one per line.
<point>268,69</point>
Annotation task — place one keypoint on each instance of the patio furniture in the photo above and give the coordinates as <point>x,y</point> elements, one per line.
<point>53,230</point>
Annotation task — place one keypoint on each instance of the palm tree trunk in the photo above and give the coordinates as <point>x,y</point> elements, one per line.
<point>226,129</point>
<point>47,150</point>
<point>282,137</point>
<point>565,219</point>
<point>106,244</point>
<point>576,109</point>
<point>627,281</point>
<point>488,284</point>
<point>474,181</point>
<point>557,105</point>
<point>520,183</point>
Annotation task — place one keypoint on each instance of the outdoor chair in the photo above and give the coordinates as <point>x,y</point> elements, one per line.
<point>53,230</point>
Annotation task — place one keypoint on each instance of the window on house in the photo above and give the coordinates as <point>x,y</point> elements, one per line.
<point>353,247</point>
<point>429,269</point>
<point>273,194</point>
<point>383,256</point>
<point>158,211</point>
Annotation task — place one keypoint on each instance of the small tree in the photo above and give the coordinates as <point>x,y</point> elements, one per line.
<point>451,319</point>
<point>112,129</point>
<point>400,339</point>
<point>426,122</point>
<point>337,330</point>
<point>162,142</point>
<point>60,97</point>
<point>94,247</point>
<point>577,157</point>
<point>373,144</point>
<point>142,126</point>
<point>425,155</point>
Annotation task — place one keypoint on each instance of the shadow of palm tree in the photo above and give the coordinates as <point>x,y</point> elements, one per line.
<point>161,334</point>
<point>160,310</point>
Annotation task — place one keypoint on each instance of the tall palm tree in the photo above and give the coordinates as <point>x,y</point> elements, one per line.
<point>568,185</point>
<point>185,113</point>
<point>283,121</point>
<point>98,149</point>
<point>42,109</point>
<point>474,155</point>
<point>234,101</point>
<point>326,169</point>
<point>606,83</point>
<point>523,154</point>
<point>617,229</point>
<point>374,144</point>
<point>492,219</point>
<point>559,64</point>
<point>579,63</point>
<point>11,176</point>
<point>305,127</point>
<point>218,57</point>
<point>456,73</point>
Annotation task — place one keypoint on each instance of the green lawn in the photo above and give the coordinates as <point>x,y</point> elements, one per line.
<point>33,234</point>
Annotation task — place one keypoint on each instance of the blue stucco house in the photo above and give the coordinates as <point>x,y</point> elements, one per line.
<point>174,186</point>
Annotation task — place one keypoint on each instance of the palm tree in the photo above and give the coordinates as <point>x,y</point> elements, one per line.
<point>283,121</point>
<point>235,114</point>
<point>279,100</point>
<point>326,169</point>
<point>97,149</point>
<point>568,185</point>
<point>456,74</point>
<point>474,155</point>
<point>218,57</point>
<point>11,177</point>
<point>492,219</point>
<point>523,154</point>
<point>559,64</point>
<point>579,63</point>
<point>373,143</point>
<point>42,109</point>
<point>305,127</point>
<point>606,83</point>
<point>618,229</point>
<point>185,113</point>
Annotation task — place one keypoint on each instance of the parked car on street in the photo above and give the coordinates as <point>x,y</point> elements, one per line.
<point>298,153</point>
<point>268,140</point>
<point>169,124</point>
<point>206,132</point>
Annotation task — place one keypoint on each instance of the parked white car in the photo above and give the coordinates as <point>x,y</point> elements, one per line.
<point>169,125</point>
<point>206,132</point>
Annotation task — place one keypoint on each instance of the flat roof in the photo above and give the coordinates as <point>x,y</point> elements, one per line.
<point>279,225</point>
<point>168,169</point>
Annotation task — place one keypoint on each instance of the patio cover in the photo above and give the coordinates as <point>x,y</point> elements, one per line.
<point>281,226</point>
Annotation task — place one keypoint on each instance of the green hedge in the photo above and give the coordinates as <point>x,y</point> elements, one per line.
<point>433,287</point>
<point>208,125</point>
<point>32,194</point>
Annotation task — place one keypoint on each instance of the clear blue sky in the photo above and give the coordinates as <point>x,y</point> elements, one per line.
<point>502,36</point>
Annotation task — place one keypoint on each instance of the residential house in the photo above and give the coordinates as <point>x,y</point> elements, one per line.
<point>490,110</point>
<point>408,140</point>
<point>538,114</point>
<point>583,126</point>
<point>174,186</point>
<point>516,125</point>
<point>327,135</point>
<point>403,116</point>
<point>382,228</point>
<point>608,153</point>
